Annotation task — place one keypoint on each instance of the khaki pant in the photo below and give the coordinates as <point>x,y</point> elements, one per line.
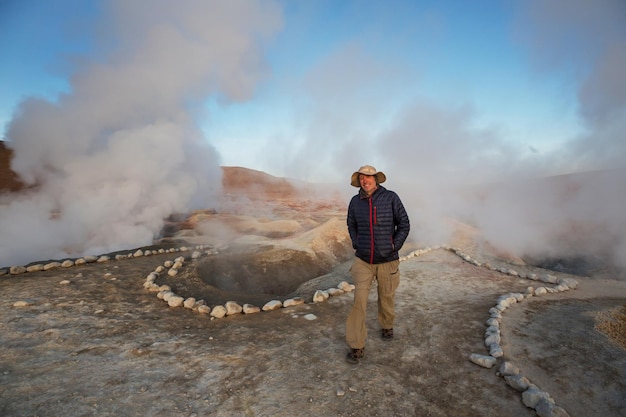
<point>363,274</point>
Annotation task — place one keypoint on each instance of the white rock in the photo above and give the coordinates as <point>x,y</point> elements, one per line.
<point>492,330</point>
<point>165,287</point>
<point>189,303</point>
<point>67,263</point>
<point>293,302</point>
<point>346,287</point>
<point>333,292</point>
<point>166,295</point>
<point>177,265</point>
<point>34,268</point>
<point>482,360</point>
<point>320,296</point>
<point>103,258</point>
<point>233,307</point>
<point>151,286</point>
<point>493,338</point>
<point>17,270</point>
<point>250,309</point>
<point>175,301</point>
<point>310,317</point>
<point>507,368</point>
<point>119,257</point>
<point>21,304</point>
<point>51,265</point>
<point>180,259</point>
<point>159,269</point>
<point>540,291</point>
<point>493,322</point>
<point>546,408</point>
<point>65,282</point>
<point>495,350</point>
<point>218,312</point>
<point>80,261</point>
<point>204,309</point>
<point>196,255</point>
<point>550,279</point>
<point>570,282</point>
<point>272,305</point>
<point>494,310</point>
<point>172,272</point>
<point>138,253</point>
<point>90,259</point>
<point>517,382</point>
<point>533,395</point>
<point>168,264</point>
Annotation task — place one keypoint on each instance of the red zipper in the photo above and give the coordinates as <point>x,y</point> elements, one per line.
<point>372,223</point>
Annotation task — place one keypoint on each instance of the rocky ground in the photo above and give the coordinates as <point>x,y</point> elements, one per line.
<point>101,344</point>
<point>90,340</point>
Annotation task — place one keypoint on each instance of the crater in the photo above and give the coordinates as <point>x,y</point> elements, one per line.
<point>274,272</point>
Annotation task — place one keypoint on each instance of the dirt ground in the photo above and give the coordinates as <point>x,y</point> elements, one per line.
<point>92,341</point>
<point>104,346</point>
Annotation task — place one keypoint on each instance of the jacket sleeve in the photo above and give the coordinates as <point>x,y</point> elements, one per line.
<point>352,229</point>
<point>401,222</point>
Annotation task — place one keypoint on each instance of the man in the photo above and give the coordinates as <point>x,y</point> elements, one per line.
<point>378,226</point>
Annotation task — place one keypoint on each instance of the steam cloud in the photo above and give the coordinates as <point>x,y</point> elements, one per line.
<point>121,151</point>
<point>434,156</point>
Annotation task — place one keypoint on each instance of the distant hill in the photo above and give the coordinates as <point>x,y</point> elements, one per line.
<point>256,184</point>
<point>9,181</point>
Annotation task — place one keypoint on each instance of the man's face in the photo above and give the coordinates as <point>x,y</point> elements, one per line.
<point>368,183</point>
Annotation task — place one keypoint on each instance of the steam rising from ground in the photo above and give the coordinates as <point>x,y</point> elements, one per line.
<point>121,151</point>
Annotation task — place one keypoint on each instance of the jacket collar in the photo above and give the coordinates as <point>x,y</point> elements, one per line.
<point>363,195</point>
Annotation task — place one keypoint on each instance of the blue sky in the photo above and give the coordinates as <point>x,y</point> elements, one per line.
<point>450,53</point>
<point>331,71</point>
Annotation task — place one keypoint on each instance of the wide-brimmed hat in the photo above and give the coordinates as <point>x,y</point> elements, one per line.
<point>367,170</point>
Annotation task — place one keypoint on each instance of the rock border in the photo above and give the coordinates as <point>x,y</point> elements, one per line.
<point>532,396</point>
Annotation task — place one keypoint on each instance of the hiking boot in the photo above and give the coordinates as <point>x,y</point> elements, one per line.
<point>354,355</point>
<point>387,334</point>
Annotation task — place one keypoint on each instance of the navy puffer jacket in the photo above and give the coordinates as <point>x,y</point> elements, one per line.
<point>378,225</point>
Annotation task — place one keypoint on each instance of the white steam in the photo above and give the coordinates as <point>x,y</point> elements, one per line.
<point>435,156</point>
<point>121,151</point>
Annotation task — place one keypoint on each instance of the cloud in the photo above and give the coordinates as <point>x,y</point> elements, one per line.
<point>121,151</point>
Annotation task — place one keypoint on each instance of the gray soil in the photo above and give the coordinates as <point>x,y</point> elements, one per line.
<point>104,346</point>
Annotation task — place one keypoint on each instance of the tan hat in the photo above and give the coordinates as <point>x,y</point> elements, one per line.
<point>367,170</point>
